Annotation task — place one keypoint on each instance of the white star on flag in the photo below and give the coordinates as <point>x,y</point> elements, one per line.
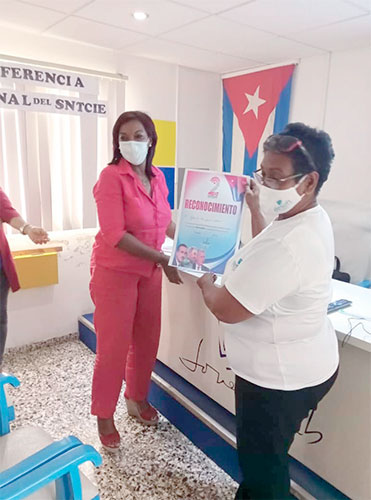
<point>254,101</point>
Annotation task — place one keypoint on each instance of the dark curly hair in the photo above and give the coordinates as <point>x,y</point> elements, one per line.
<point>319,146</point>
<point>149,127</point>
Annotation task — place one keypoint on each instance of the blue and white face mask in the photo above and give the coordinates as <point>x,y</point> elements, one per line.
<point>280,201</point>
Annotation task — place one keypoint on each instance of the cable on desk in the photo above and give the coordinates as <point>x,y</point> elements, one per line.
<point>352,328</point>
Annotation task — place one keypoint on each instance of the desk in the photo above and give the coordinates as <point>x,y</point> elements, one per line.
<point>192,345</point>
<point>343,455</point>
<point>357,317</point>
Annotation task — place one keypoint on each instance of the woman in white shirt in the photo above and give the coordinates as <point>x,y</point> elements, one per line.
<point>273,301</point>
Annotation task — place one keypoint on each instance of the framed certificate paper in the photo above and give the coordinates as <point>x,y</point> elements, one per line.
<point>209,221</point>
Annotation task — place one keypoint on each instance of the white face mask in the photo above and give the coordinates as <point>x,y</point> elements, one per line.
<point>135,152</point>
<point>280,201</point>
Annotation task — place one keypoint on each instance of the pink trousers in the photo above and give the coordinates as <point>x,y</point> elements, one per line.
<point>127,322</point>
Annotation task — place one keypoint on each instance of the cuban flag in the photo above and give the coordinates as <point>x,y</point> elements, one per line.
<point>255,105</point>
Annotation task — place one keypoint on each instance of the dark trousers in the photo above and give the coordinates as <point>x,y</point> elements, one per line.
<point>4,290</point>
<point>267,421</point>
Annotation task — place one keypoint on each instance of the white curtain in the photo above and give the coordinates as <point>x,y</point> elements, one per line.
<point>49,162</point>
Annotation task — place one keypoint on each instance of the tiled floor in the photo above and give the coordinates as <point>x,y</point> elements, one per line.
<point>153,463</point>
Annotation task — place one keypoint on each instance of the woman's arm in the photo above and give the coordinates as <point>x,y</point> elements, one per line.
<point>132,245</point>
<point>170,231</point>
<point>109,199</point>
<point>258,222</point>
<point>7,211</point>
<point>221,303</point>
<point>36,234</point>
<point>11,216</point>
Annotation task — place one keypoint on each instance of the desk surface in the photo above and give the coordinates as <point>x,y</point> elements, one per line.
<point>355,319</point>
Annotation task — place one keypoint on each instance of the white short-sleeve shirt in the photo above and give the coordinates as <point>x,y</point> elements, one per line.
<point>283,276</point>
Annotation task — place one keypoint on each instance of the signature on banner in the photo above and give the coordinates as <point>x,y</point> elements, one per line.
<point>194,365</point>
<point>317,435</point>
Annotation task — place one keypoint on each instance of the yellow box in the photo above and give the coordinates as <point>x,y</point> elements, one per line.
<point>37,270</point>
<point>165,149</point>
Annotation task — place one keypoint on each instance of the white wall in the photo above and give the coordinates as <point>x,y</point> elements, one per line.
<point>347,119</point>
<point>309,89</point>
<point>333,92</point>
<point>199,118</point>
<point>330,92</point>
<point>153,87</point>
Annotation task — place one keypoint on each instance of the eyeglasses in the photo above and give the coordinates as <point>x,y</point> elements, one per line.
<point>273,183</point>
<point>278,143</point>
<point>286,144</point>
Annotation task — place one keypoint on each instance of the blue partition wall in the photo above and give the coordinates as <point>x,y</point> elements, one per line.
<point>169,173</point>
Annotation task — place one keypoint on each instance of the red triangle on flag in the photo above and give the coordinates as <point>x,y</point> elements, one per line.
<point>253,97</point>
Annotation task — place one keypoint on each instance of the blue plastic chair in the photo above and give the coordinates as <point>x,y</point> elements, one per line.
<point>365,283</point>
<point>31,475</point>
<point>57,462</point>
<point>6,412</point>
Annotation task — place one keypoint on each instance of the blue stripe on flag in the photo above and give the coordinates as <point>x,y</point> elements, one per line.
<point>282,109</point>
<point>249,164</point>
<point>227,132</point>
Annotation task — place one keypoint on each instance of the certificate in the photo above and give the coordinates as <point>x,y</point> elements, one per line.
<point>209,221</point>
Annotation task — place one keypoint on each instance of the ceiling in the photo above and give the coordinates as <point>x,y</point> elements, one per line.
<point>213,35</point>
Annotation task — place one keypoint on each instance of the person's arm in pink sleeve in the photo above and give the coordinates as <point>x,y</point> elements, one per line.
<point>7,212</point>
<point>109,199</point>
<point>12,217</point>
<point>110,207</point>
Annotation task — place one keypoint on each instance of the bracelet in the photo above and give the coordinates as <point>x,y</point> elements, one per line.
<point>22,229</point>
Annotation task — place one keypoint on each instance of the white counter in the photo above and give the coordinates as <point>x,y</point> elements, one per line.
<point>192,345</point>
<point>355,319</point>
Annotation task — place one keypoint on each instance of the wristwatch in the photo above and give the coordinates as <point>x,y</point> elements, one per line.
<point>22,228</point>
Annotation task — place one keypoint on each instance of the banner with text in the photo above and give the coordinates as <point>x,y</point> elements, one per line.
<point>51,103</point>
<point>31,75</point>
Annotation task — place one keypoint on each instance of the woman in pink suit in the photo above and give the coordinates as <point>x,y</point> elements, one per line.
<point>127,262</point>
<point>8,274</point>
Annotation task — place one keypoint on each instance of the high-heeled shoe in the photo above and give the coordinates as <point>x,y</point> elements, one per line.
<point>110,442</point>
<point>148,416</point>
